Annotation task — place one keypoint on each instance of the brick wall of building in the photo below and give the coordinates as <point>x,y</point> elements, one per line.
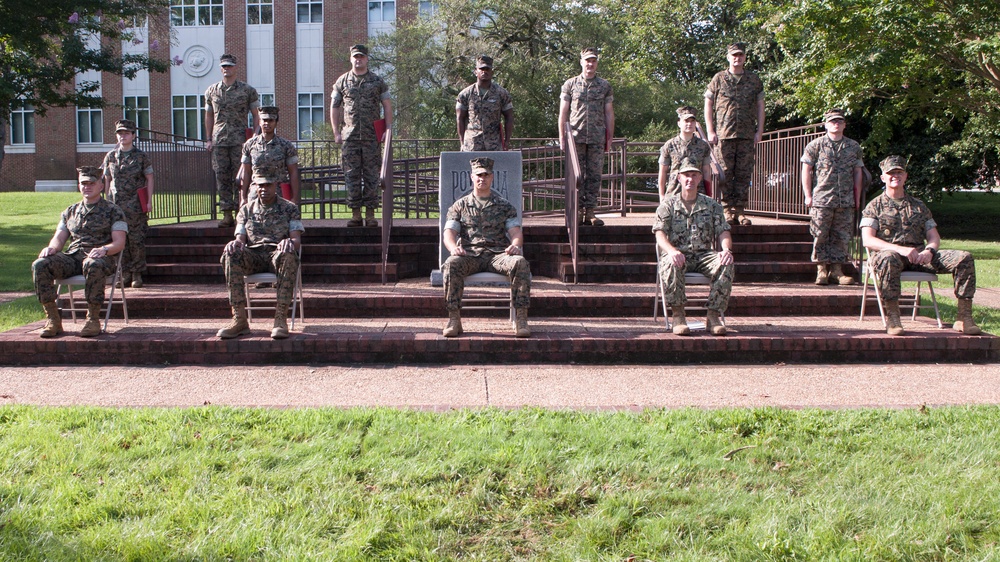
<point>285,88</point>
<point>18,172</point>
<point>160,109</point>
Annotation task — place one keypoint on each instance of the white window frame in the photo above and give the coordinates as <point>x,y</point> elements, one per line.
<point>191,13</point>
<point>90,114</point>
<point>257,9</point>
<point>25,114</point>
<point>317,103</point>
<point>265,100</point>
<point>137,112</point>
<point>381,6</point>
<point>312,7</point>
<point>185,109</point>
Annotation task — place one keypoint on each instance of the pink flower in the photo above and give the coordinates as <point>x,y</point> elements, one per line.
<point>75,17</point>
<point>122,25</point>
<point>178,61</point>
<point>155,45</point>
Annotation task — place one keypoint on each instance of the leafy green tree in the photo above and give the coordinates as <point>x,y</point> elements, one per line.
<point>45,44</point>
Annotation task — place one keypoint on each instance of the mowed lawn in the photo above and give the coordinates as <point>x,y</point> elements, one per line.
<point>319,484</point>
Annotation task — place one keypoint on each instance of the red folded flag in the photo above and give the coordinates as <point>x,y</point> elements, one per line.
<point>286,191</point>
<point>708,188</point>
<point>380,130</point>
<point>143,199</point>
<point>249,133</point>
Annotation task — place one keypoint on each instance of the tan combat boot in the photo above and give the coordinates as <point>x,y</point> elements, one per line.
<point>893,325</point>
<point>53,322</point>
<point>584,221</point>
<point>521,329</point>
<point>355,218</point>
<point>454,327</point>
<point>136,280</point>
<point>238,326</point>
<point>280,329</point>
<point>963,319</point>
<point>93,325</point>
<point>680,321</point>
<point>714,324</point>
<point>822,274</point>
<point>227,220</point>
<point>731,216</point>
<point>837,274</point>
<point>743,218</point>
<point>370,217</point>
<point>592,219</point>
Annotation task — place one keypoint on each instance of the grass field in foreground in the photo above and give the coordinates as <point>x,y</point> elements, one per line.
<point>241,484</point>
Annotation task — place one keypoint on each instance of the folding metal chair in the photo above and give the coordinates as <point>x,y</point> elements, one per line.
<point>255,278</point>
<point>917,277</point>
<point>660,299</point>
<point>81,281</point>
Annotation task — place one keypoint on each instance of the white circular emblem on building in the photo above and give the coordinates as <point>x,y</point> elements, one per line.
<point>198,61</point>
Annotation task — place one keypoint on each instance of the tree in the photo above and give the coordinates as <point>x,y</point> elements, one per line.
<point>44,45</point>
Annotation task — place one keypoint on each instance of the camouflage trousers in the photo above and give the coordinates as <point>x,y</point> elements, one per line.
<point>888,265</point>
<point>831,229</point>
<point>457,268</point>
<point>705,263</point>
<point>134,258</point>
<point>44,272</point>
<point>225,164</point>
<point>591,167</point>
<point>736,157</point>
<point>262,259</point>
<point>361,161</point>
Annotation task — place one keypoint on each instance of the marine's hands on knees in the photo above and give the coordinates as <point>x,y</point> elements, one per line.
<point>98,252</point>
<point>726,256</point>
<point>233,246</point>
<point>47,251</point>
<point>458,250</point>
<point>513,250</point>
<point>676,258</point>
<point>286,246</point>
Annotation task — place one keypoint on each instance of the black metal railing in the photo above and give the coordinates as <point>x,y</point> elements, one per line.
<point>184,183</point>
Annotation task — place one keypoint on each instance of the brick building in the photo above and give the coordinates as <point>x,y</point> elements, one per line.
<point>289,50</point>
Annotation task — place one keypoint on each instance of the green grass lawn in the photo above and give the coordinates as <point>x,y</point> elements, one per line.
<point>321,484</point>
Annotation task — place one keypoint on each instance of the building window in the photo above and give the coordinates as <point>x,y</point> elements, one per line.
<point>259,12</point>
<point>309,11</point>
<point>426,8</point>
<point>265,101</point>
<point>89,126</point>
<point>381,11</point>
<point>310,114</point>
<point>136,108</point>
<point>195,12</point>
<point>22,123</point>
<point>189,116</point>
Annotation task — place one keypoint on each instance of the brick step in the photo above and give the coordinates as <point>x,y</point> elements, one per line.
<point>641,251</point>
<point>637,272</point>
<point>313,253</point>
<point>764,340</point>
<point>311,273</point>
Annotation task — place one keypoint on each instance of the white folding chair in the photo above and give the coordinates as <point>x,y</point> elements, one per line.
<point>81,281</point>
<point>917,277</point>
<point>297,303</point>
<point>660,299</point>
<point>484,300</point>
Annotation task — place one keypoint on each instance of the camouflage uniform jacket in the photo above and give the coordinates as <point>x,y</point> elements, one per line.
<point>483,225</point>
<point>361,97</point>
<point>833,167</point>
<point>230,106</point>
<point>272,157</point>
<point>89,229</point>
<point>586,111</point>
<point>485,113</point>
<point>676,150</point>
<point>128,171</point>
<point>266,225</point>
<point>899,221</point>
<point>735,100</point>
<point>691,232</point>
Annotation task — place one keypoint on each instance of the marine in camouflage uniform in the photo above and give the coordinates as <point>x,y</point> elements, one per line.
<point>268,234</point>
<point>358,96</point>
<point>901,235</point>
<point>128,171</point>
<point>483,233</point>
<point>831,182</point>
<point>586,103</point>
<point>691,223</point>
<point>96,229</point>
<point>480,108</point>
<point>227,104</point>
<point>271,158</point>
<point>677,150</point>
<point>734,102</point>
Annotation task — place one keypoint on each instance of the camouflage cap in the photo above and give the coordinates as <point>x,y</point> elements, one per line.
<point>227,60</point>
<point>833,115</point>
<point>894,162</point>
<point>589,53</point>
<point>260,178</point>
<point>736,48</point>
<point>484,61</point>
<point>269,112</point>
<point>125,125</point>
<point>686,112</point>
<point>359,49</point>
<point>688,166</point>
<point>89,173</point>
<point>481,166</point>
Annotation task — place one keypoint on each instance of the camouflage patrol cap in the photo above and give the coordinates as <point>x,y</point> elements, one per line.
<point>736,48</point>
<point>688,166</point>
<point>260,178</point>
<point>89,173</point>
<point>359,49</point>
<point>484,61</point>
<point>481,166</point>
<point>227,60</point>
<point>269,112</point>
<point>686,112</point>
<point>833,115</point>
<point>894,162</point>
<point>124,125</point>
<point>589,53</point>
